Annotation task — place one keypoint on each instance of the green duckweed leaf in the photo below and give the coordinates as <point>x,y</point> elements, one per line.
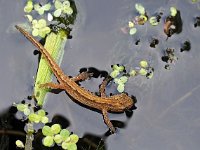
<point>55,128</point>
<point>48,141</point>
<point>29,17</point>
<point>132,31</point>
<point>71,146</point>
<point>118,68</point>
<point>150,75</point>
<point>74,138</point>
<point>41,112</point>
<point>21,107</point>
<point>57,13</point>
<point>130,24</point>
<point>123,80</point>
<point>144,63</point>
<point>143,72</point>
<point>42,23</point>
<point>120,88</point>
<point>65,134</point>
<point>66,3</point>
<point>46,131</point>
<point>140,8</point>
<point>67,10</point>
<point>114,73</point>
<point>153,21</point>
<point>29,6</point>
<point>132,73</point>
<point>35,32</point>
<point>64,145</point>
<point>44,119</point>
<point>27,111</point>
<point>34,118</point>
<point>173,11</point>
<point>58,4</point>
<point>47,6</point>
<point>19,144</point>
<point>58,138</point>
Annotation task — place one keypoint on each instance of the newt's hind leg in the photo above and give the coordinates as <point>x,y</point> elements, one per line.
<point>51,85</point>
<point>82,76</point>
<point>107,121</point>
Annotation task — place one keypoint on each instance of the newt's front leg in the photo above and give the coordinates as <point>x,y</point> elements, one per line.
<point>102,88</point>
<point>107,121</point>
<point>82,76</point>
<point>52,85</point>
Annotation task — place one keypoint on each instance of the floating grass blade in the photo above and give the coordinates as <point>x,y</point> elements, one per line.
<point>55,44</point>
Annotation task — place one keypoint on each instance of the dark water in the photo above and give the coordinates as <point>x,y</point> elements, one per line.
<point>168,105</point>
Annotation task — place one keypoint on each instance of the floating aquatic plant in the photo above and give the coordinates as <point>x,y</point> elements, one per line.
<point>29,6</point>
<point>19,144</point>
<point>140,8</point>
<point>40,28</point>
<point>153,21</point>
<point>132,31</point>
<point>173,11</point>
<point>62,137</point>
<point>41,9</point>
<point>62,7</point>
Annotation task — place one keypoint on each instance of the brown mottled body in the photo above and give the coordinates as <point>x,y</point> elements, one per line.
<point>115,103</point>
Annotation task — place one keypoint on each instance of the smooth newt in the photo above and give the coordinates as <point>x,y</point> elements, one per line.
<point>115,103</point>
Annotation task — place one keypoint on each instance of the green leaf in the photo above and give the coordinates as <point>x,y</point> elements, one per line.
<point>173,11</point>
<point>29,6</point>
<point>140,8</point>
<point>58,4</point>
<point>120,88</point>
<point>123,79</point>
<point>118,68</point>
<point>47,6</point>
<point>71,146</point>
<point>143,72</point>
<point>144,63</point>
<point>64,145</point>
<point>21,107</point>
<point>35,32</point>
<point>19,144</point>
<point>27,111</point>
<point>34,118</point>
<point>150,75</point>
<point>44,119</point>
<point>153,21</point>
<point>29,17</point>
<point>42,23</point>
<point>132,73</point>
<point>56,128</point>
<point>66,3</point>
<point>74,138</point>
<point>48,141</point>
<point>41,112</point>
<point>46,131</point>
<point>114,73</point>
<point>132,31</point>
<point>67,10</point>
<point>65,134</point>
<point>130,24</point>
<point>58,138</point>
<point>57,13</point>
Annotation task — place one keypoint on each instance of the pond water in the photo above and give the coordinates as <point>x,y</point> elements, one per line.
<point>167,114</point>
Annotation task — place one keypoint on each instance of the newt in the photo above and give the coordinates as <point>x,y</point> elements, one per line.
<point>103,103</point>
